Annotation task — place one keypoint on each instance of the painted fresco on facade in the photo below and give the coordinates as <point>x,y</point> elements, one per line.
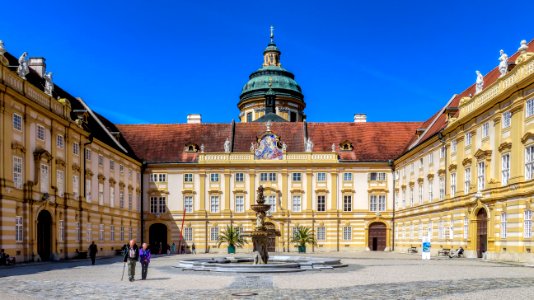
<point>268,148</point>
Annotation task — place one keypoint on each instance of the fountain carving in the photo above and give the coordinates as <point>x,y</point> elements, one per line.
<point>262,232</point>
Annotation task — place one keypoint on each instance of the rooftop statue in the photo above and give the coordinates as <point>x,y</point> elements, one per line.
<point>23,68</point>
<point>2,48</point>
<point>333,147</point>
<point>479,82</point>
<point>227,145</point>
<point>309,145</point>
<point>503,65</point>
<point>49,85</point>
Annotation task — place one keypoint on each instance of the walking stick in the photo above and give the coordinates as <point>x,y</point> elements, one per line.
<point>123,267</point>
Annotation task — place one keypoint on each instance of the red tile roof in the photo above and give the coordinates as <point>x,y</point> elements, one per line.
<point>371,141</point>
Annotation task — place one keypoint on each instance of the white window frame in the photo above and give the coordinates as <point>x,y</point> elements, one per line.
<point>321,177</point>
<point>89,233</point>
<point>347,233</point>
<point>214,203</point>
<point>214,234</point>
<point>504,225</point>
<point>76,148</point>
<point>467,180</point>
<point>44,178</point>
<point>468,138</point>
<point>321,203</point>
<point>420,194</point>
<point>60,141</point>
<point>101,193</point>
<point>296,177</point>
<point>112,232</point>
<point>373,203</point>
<point>214,177</point>
<point>527,224</point>
<point>466,228</point>
<point>61,231</point>
<point>88,185</point>
<point>485,130</point>
<point>188,204</point>
<point>321,233</point>
<point>271,199</point>
<point>430,190</point>
<point>100,160</point>
<point>19,229</point>
<point>454,146</point>
<point>17,122</point>
<point>506,119</point>
<point>347,176</point>
<point>347,202</point>
<point>442,187</point>
<point>529,108</point>
<point>188,234</point>
<point>18,172</point>
<point>101,232</point>
<point>453,184</point>
<point>529,162</point>
<point>297,203</point>
<point>40,132</point>
<point>481,175</point>
<point>239,177</point>
<point>505,169</point>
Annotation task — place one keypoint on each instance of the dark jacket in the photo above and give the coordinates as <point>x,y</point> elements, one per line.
<point>93,250</point>
<point>127,253</point>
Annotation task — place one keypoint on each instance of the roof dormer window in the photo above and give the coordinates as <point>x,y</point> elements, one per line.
<point>346,146</point>
<point>190,147</point>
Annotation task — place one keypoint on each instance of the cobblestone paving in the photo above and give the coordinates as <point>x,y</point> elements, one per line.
<point>369,276</point>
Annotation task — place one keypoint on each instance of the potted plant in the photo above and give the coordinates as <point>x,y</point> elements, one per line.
<point>232,237</point>
<point>302,236</point>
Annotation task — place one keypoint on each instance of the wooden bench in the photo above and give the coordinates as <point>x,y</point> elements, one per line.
<point>444,252</point>
<point>412,250</point>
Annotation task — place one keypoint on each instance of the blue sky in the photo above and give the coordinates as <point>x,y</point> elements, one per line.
<point>157,61</point>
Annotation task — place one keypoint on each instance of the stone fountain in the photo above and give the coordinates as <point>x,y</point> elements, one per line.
<point>261,234</point>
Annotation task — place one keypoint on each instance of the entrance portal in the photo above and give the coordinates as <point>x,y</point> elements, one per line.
<point>482,232</point>
<point>377,237</point>
<point>44,235</point>
<point>157,238</point>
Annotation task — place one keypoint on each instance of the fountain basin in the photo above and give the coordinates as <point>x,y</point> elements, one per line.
<point>277,264</point>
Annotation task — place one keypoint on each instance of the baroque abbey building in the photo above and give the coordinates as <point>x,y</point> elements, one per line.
<point>464,177</point>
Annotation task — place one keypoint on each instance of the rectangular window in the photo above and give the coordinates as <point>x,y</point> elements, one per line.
<point>506,119</point>
<point>17,172</point>
<point>321,177</point>
<point>503,225</point>
<point>44,179</point>
<point>188,234</point>
<point>121,170</point>
<point>111,164</point>
<point>321,203</point>
<point>17,122</point>
<point>321,233</point>
<point>467,180</point>
<point>60,141</point>
<point>78,232</point>
<point>347,176</point>
<point>88,190</point>
<point>430,190</point>
<point>529,163</point>
<point>404,197</point>
<point>18,229</point>
<point>431,158</point>
<point>382,203</point>
<point>454,145</point>
<point>60,182</point>
<point>451,230</point>
<point>101,193</point>
<point>441,187</point>
<point>441,230</point>
<point>347,233</point>
<point>214,204</point>
<point>468,137</point>
<point>442,152</point>
<point>162,177</point>
<point>296,203</point>
<point>112,232</point>
<point>485,130</point>
<point>453,184</point>
<point>89,234</point>
<point>297,177</point>
<point>529,111</point>
<point>188,204</point>
<point>239,177</point>
<point>100,160</point>
<point>162,205</point>
<point>377,176</point>
<point>130,201</point>
<point>88,154</point>
<point>373,203</point>
<point>505,171</point>
<point>40,132</point>
<point>214,233</point>
<point>263,176</point>
<point>272,176</point>
<point>411,196</point>
<point>481,176</point>
<point>347,203</point>
<point>101,232</point>
<point>153,205</point>
<point>421,163</point>
<point>214,177</point>
<point>466,227</point>
<point>239,204</point>
<point>121,199</point>
<point>272,201</point>
<point>527,227</point>
<point>76,148</point>
<point>122,233</point>
<point>249,117</point>
<point>61,231</point>
<point>420,195</point>
<point>112,196</point>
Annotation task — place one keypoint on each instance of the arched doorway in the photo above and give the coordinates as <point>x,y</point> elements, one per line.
<point>44,235</point>
<point>482,232</point>
<point>157,238</point>
<point>377,236</point>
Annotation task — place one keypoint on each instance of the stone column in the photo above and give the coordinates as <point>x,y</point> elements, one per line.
<point>332,204</point>
<point>202,194</point>
<point>309,191</point>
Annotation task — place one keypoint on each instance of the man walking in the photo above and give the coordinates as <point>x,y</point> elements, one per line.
<point>93,249</point>
<point>131,256</point>
<point>144,258</point>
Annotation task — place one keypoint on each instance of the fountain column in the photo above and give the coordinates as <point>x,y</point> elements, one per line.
<point>260,235</point>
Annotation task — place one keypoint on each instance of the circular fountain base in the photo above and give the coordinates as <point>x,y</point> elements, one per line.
<point>277,264</point>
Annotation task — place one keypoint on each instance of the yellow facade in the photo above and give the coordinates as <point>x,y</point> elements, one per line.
<point>46,209</point>
<point>484,166</point>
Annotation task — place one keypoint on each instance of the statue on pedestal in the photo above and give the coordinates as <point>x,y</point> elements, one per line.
<point>479,82</point>
<point>503,65</point>
<point>227,145</point>
<point>23,68</point>
<point>49,85</point>
<point>309,145</point>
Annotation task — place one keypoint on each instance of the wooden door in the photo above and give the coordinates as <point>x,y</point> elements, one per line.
<point>377,237</point>
<point>482,232</point>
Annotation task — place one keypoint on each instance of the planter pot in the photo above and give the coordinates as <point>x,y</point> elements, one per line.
<point>302,249</point>
<point>231,249</point>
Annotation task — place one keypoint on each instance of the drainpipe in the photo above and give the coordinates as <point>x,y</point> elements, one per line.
<point>390,162</point>
<point>142,182</point>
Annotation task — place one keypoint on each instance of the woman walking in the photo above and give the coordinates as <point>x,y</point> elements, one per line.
<point>144,257</point>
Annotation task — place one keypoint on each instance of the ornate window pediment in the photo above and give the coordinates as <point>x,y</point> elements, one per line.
<point>505,146</point>
<point>346,146</point>
<point>42,154</point>
<point>466,161</point>
<point>480,154</point>
<point>527,136</point>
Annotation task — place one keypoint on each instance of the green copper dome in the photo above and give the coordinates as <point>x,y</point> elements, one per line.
<point>271,75</point>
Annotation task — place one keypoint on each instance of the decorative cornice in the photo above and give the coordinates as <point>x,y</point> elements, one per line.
<point>505,146</point>
<point>121,185</point>
<point>112,180</point>
<point>441,172</point>
<point>480,154</point>
<point>452,167</point>
<point>18,147</point>
<point>420,180</point>
<point>88,173</point>
<point>466,161</point>
<point>297,191</point>
<point>42,154</point>
<point>101,177</point>
<point>527,136</point>
<point>188,192</point>
<point>430,176</point>
<point>76,168</point>
<point>60,162</point>
<point>325,191</point>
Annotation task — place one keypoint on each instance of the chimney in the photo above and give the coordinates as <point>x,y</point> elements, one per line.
<point>38,65</point>
<point>360,118</point>
<point>194,119</point>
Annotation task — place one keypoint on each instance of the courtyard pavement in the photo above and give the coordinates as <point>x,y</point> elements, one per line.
<point>369,275</point>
